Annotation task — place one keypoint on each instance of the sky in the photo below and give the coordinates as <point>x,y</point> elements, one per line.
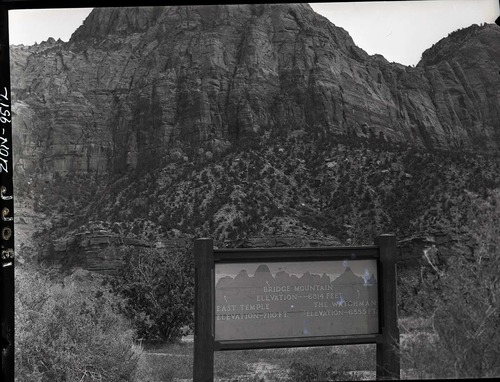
<point>402,30</point>
<point>30,26</point>
<point>398,30</point>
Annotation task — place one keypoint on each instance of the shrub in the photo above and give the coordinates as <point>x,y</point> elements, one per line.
<point>68,333</point>
<point>466,312</point>
<point>159,291</point>
<point>468,316</point>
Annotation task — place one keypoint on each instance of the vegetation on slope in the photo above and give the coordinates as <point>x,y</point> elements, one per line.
<point>326,186</point>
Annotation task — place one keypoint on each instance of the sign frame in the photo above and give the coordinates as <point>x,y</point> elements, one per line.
<point>384,251</point>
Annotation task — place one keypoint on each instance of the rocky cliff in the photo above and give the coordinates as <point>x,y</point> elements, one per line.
<point>257,125</point>
<point>136,87</point>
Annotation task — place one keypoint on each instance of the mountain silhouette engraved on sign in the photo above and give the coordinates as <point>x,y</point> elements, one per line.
<point>264,277</point>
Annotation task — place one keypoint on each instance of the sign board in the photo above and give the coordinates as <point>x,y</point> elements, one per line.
<point>296,299</point>
<point>289,297</point>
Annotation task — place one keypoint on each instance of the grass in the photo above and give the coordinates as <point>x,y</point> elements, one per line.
<point>174,361</point>
<point>165,362</point>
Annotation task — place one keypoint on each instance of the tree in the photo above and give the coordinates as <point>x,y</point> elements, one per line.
<point>159,290</point>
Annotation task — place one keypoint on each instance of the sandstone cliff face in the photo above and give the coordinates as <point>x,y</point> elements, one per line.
<point>137,86</point>
<point>463,76</point>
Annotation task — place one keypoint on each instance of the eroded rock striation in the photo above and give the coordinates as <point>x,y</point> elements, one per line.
<point>136,86</point>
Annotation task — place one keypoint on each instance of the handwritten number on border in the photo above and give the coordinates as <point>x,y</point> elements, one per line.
<point>4,118</point>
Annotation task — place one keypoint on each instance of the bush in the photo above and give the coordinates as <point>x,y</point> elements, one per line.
<point>69,333</point>
<point>159,292</point>
<point>468,317</point>
<point>466,313</point>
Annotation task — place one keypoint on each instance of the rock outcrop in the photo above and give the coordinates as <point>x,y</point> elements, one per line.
<point>100,251</point>
<point>137,86</point>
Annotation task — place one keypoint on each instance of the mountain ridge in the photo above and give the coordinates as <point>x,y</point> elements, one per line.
<point>194,85</point>
<point>270,127</point>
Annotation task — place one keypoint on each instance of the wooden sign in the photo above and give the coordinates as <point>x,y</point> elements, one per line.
<point>295,299</point>
<point>290,297</point>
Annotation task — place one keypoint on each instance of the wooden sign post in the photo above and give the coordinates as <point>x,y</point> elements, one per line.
<point>203,363</point>
<point>291,297</point>
<point>388,366</point>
